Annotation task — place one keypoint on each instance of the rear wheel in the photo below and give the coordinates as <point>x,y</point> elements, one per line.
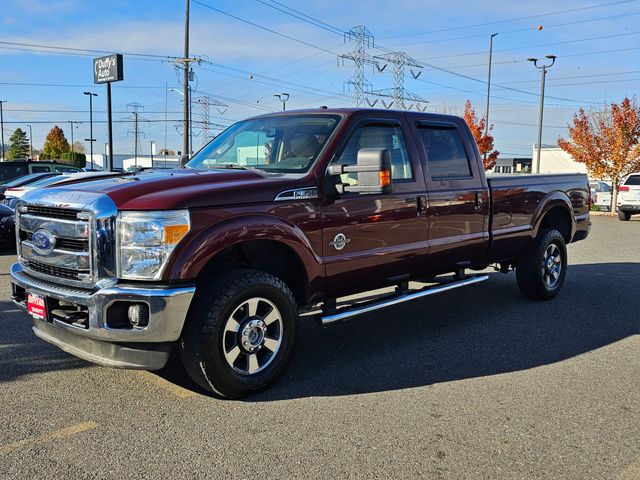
<point>624,216</point>
<point>541,272</point>
<point>240,333</point>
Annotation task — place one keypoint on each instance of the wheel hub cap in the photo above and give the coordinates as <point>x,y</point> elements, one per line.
<point>551,266</point>
<point>252,335</point>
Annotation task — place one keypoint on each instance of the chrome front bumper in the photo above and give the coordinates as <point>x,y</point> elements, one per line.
<point>98,343</point>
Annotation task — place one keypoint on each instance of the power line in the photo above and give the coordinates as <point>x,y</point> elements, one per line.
<point>518,30</point>
<point>303,17</point>
<point>616,35</point>
<point>261,27</point>
<point>84,50</point>
<point>464,27</point>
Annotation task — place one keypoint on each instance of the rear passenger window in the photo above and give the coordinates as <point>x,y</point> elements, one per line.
<point>39,169</point>
<point>633,180</point>
<point>445,153</point>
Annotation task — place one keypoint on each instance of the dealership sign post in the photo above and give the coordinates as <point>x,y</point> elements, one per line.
<point>106,70</point>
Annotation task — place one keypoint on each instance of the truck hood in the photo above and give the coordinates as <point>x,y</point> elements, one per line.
<point>184,188</point>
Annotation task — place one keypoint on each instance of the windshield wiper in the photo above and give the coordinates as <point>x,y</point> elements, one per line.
<point>235,166</point>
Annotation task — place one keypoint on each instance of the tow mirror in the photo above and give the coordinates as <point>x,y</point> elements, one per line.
<point>374,172</point>
<point>183,160</point>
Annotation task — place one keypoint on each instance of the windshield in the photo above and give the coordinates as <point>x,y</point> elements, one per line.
<point>285,144</point>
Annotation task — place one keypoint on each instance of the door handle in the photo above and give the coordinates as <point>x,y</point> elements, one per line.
<point>478,200</point>
<point>422,204</point>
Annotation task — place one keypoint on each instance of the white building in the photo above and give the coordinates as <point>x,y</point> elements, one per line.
<point>555,160</point>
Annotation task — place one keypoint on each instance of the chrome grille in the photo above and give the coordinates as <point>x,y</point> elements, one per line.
<point>71,259</point>
<point>52,270</point>
<point>52,212</point>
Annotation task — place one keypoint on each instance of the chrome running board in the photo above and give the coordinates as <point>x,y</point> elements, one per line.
<point>348,312</point>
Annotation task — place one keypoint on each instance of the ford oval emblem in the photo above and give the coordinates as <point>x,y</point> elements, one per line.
<point>43,242</point>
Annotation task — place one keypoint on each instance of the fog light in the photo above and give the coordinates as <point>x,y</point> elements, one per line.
<point>138,314</point>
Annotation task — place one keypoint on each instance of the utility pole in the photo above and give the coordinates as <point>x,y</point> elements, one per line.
<point>486,117</point>
<point>187,96</point>
<point>135,108</point>
<point>543,69</point>
<point>151,143</point>
<point>283,97</point>
<point>90,139</point>
<point>2,127</point>
<point>30,142</point>
<point>206,102</point>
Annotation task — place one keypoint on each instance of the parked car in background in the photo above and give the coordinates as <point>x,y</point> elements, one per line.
<point>7,227</point>
<point>11,170</point>
<point>600,194</point>
<point>13,194</point>
<point>629,197</point>
<point>26,180</point>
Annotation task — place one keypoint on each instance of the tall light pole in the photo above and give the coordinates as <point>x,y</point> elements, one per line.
<point>90,139</point>
<point>30,142</point>
<point>486,118</point>
<point>283,97</point>
<point>187,107</point>
<point>2,127</point>
<point>543,69</point>
<point>187,100</point>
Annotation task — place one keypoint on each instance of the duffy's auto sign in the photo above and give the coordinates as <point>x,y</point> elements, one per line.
<point>108,69</point>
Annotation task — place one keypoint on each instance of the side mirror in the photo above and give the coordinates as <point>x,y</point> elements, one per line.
<point>374,172</point>
<point>2,196</point>
<point>183,160</point>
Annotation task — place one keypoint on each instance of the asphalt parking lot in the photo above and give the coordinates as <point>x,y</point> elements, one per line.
<point>476,383</point>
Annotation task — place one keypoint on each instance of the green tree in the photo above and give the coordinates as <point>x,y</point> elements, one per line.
<point>55,144</point>
<point>76,159</point>
<point>18,145</point>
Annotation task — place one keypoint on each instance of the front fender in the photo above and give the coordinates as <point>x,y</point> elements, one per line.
<point>199,248</point>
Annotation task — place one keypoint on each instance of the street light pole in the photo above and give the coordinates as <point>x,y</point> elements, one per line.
<point>283,97</point>
<point>30,142</point>
<point>187,106</point>
<point>152,142</point>
<point>543,69</point>
<point>91,139</point>
<point>2,127</point>
<point>486,118</point>
<point>71,122</point>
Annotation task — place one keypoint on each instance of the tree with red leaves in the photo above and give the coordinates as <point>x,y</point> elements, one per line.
<point>485,142</point>
<point>607,142</point>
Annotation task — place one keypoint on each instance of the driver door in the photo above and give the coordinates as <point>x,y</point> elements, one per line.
<point>370,240</point>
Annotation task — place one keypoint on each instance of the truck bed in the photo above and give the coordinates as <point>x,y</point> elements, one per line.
<point>517,200</point>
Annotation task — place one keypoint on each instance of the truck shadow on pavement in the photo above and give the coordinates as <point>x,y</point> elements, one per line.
<point>22,353</point>
<point>483,330</point>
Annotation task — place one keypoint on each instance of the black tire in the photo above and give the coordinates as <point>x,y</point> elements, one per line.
<point>220,302</point>
<point>624,216</point>
<point>534,279</point>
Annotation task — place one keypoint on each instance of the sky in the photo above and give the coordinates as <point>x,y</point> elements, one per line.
<point>253,49</point>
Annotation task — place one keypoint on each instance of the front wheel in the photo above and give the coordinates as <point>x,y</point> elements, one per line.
<point>240,333</point>
<point>624,216</point>
<point>541,272</point>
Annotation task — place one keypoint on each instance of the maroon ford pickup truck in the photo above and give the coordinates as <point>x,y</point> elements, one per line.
<point>281,216</point>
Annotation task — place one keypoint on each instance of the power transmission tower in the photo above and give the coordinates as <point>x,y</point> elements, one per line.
<point>135,108</point>
<point>206,102</point>
<point>362,39</point>
<point>398,94</point>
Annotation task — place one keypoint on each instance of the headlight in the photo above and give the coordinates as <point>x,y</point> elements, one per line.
<point>146,240</point>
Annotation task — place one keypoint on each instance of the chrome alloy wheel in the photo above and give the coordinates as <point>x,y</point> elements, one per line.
<point>551,265</point>
<point>252,336</point>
